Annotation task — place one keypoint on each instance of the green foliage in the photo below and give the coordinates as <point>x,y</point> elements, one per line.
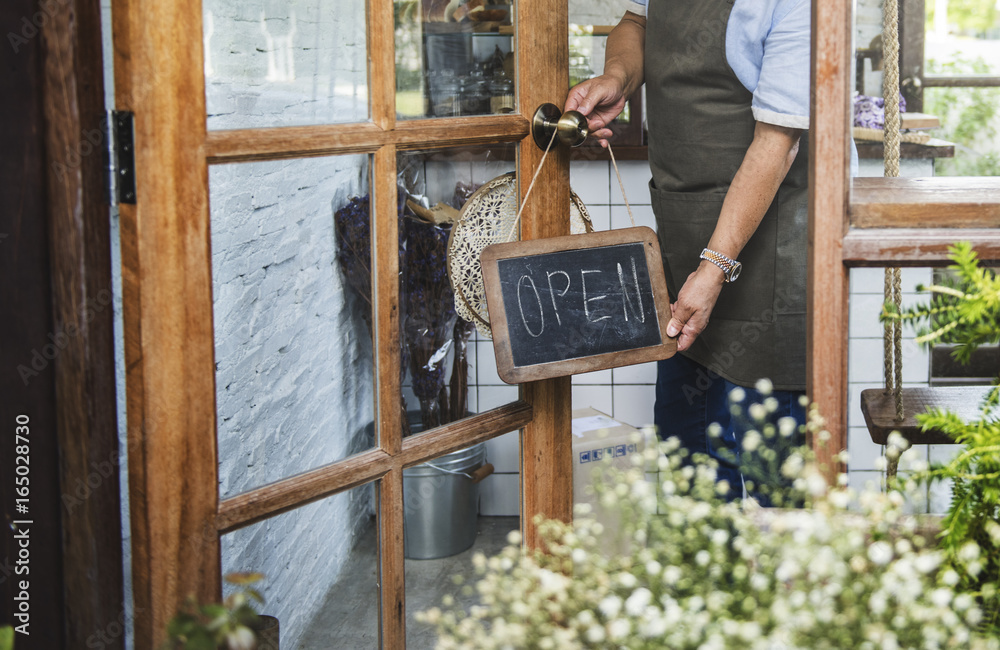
<point>213,626</point>
<point>965,311</point>
<point>973,17</point>
<point>968,117</point>
<point>6,637</point>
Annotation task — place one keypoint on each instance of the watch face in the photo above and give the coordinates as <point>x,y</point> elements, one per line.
<point>734,272</point>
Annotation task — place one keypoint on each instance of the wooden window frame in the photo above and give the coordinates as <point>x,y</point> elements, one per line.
<point>878,222</point>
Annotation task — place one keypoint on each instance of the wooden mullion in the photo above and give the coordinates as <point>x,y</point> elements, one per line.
<point>169,346</point>
<point>392,613</point>
<point>287,494</point>
<point>915,247</point>
<point>413,135</point>
<point>382,63</point>
<point>465,433</point>
<point>828,279</point>
<point>546,453</point>
<point>242,145</point>
<point>388,359</point>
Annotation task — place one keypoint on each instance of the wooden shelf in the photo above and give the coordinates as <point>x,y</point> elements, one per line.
<point>939,202</point>
<point>933,148</point>
<point>879,409</point>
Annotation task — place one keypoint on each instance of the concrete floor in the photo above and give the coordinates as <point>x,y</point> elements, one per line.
<point>349,617</point>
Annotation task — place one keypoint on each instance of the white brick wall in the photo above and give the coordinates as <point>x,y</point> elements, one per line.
<point>284,62</point>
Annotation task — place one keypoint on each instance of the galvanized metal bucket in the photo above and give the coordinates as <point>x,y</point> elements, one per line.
<point>441,503</point>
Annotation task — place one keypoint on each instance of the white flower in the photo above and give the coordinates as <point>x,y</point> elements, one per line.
<point>637,602</point>
<point>610,606</point>
<point>968,552</point>
<point>941,597</point>
<point>619,629</point>
<point>880,553</point>
<point>241,638</point>
<point>764,386</point>
<point>653,568</point>
<point>702,558</point>
<point>737,395</point>
<point>757,412</point>
<point>595,634</point>
<point>751,440</point>
<point>787,426</point>
<point>514,537</point>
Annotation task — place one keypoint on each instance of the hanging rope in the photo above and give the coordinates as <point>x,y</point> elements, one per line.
<point>621,185</point>
<point>892,332</point>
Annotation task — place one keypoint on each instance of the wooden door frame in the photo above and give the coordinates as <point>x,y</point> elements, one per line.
<point>58,243</point>
<point>177,516</point>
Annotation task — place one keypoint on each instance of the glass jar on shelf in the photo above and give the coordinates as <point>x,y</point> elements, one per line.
<point>501,89</point>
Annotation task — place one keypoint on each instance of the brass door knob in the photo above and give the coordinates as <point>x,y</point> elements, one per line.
<point>570,127</point>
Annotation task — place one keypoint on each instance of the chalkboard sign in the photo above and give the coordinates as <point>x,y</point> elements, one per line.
<point>575,304</point>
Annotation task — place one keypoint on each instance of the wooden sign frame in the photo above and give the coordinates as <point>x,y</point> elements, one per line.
<point>512,373</point>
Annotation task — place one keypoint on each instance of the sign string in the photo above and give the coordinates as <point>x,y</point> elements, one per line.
<point>531,186</point>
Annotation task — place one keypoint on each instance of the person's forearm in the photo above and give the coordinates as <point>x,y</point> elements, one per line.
<point>764,167</point>
<point>624,54</point>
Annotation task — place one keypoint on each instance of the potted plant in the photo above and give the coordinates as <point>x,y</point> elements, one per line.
<point>233,624</point>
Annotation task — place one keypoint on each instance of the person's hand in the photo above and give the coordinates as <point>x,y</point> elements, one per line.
<point>689,314</point>
<point>601,100</point>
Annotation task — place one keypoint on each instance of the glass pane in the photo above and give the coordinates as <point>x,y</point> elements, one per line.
<point>454,58</point>
<point>962,31</point>
<point>970,117</point>
<point>284,63</point>
<point>444,379</point>
<point>428,581</point>
<point>293,349</point>
<point>320,566</point>
<point>963,38</point>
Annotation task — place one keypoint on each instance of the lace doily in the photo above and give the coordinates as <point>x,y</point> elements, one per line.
<point>486,219</point>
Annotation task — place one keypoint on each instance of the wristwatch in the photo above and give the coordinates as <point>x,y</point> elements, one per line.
<point>730,267</point>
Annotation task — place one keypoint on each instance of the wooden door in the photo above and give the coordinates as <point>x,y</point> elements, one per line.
<point>183,142</point>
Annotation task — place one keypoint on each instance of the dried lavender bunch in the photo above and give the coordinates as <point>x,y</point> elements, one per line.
<point>352,224</point>
<point>430,315</point>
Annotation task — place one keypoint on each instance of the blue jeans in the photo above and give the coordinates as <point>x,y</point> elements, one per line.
<point>689,397</point>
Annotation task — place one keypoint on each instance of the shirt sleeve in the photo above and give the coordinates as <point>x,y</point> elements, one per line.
<point>782,93</point>
<point>635,6</point>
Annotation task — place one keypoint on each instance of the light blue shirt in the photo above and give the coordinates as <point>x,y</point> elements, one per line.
<point>767,46</point>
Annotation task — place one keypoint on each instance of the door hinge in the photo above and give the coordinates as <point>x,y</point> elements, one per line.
<point>121,157</point>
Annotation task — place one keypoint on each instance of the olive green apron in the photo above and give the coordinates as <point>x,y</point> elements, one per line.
<point>700,127</point>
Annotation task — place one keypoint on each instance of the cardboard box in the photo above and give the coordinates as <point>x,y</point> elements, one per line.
<point>601,441</point>
<point>598,439</point>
